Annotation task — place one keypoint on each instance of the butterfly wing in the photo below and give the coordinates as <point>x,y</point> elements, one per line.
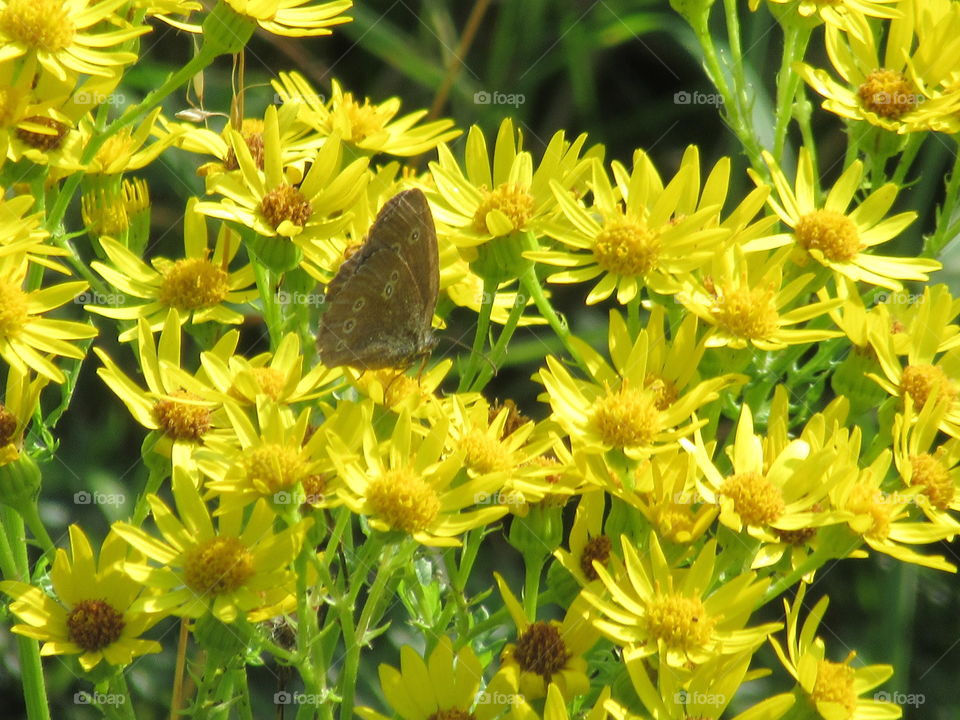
<point>374,321</point>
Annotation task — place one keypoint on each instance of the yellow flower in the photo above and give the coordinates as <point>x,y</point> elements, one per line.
<point>912,86</point>
<point>445,686</point>
<point>93,614</point>
<point>24,332</point>
<point>174,402</point>
<point>927,373</point>
<point>882,519</point>
<point>240,568</point>
<point>24,234</point>
<point>16,411</point>
<point>587,541</point>
<point>836,237</point>
<point>405,485</point>
<point>290,19</point>
<point>936,473</point>
<point>833,688</point>
<point>745,301</point>
<point>68,37</point>
<point>767,496</point>
<point>275,462</point>
<point>640,404</point>
<point>838,13</point>
<point>368,128</point>
<point>127,149</point>
<point>640,233</point>
<point>652,608</point>
<point>546,652</point>
<point>491,201</point>
<point>197,286</point>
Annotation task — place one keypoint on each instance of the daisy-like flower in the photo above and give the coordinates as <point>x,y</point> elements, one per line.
<point>24,332</point>
<point>882,519</point>
<point>745,301</point>
<point>927,373</point>
<point>546,652</point>
<point>16,411</point>
<point>638,405</point>
<point>640,232</point>
<point>278,376</point>
<point>198,286</point>
<point>290,18</point>
<point>833,688</point>
<point>275,461</point>
<point>279,212</point>
<point>703,692</point>
<point>405,485</point>
<point>445,686</point>
<point>68,37</point>
<point>490,201</point>
<point>21,233</point>
<point>767,496</point>
<point>655,609</point>
<point>240,568</point>
<point>126,149</point>
<point>92,614</point>
<point>937,473</point>
<point>911,87</point>
<point>174,402</point>
<point>835,236</point>
<point>838,13</point>
<point>587,540</point>
<point>912,315</point>
<point>367,127</point>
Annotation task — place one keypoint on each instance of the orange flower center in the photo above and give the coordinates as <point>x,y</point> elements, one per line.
<point>888,93</point>
<point>832,233</point>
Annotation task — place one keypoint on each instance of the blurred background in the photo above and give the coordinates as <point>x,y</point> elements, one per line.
<point>614,69</point>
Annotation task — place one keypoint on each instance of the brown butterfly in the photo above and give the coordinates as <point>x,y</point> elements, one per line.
<point>379,307</point>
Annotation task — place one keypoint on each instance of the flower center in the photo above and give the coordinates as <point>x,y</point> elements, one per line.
<point>94,624</point>
<point>797,538</point>
<point>285,202</point>
<point>116,147</point>
<point>888,93</point>
<point>541,650</point>
<point>270,381</point>
<point>271,468</point>
<point>43,141</point>
<point>252,133</point>
<point>756,500</point>
<point>193,283</point>
<point>39,24</point>
<point>834,684</point>
<point>918,381</point>
<point>365,119</point>
<point>484,453</point>
<point>627,248</point>
<point>627,418</point>
<point>404,500</point>
<point>13,309</point>
<point>217,566</point>
<point>747,312</point>
<point>8,426</point>
<point>182,420</point>
<point>680,622</point>
<point>867,500</point>
<point>665,393</point>
<point>512,199</point>
<point>597,548</point>
<point>832,233</point>
<point>930,474</point>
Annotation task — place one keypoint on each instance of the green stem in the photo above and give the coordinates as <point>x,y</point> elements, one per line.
<point>499,351</point>
<point>531,284</point>
<point>271,309</point>
<point>796,40</point>
<point>946,224</point>
<point>479,338</point>
<point>533,569</point>
<point>909,154</point>
<point>118,685</point>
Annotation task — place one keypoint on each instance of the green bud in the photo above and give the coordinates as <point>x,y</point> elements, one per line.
<point>20,483</point>
<point>502,257</point>
<point>225,31</point>
<point>540,532</point>
<point>226,645</point>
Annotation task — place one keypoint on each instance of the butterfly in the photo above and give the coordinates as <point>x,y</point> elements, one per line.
<point>379,307</point>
